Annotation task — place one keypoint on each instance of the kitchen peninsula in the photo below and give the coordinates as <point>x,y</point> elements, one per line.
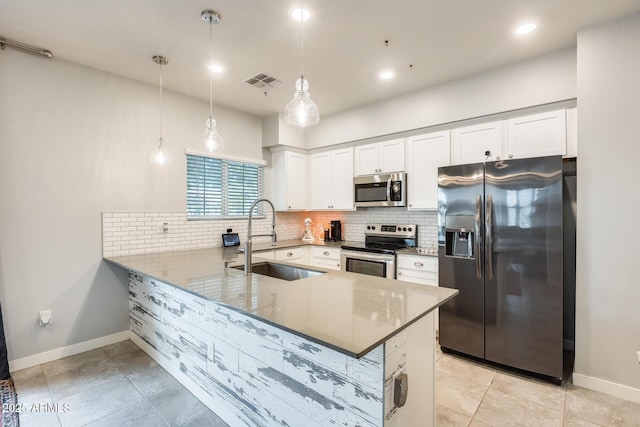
<point>328,349</point>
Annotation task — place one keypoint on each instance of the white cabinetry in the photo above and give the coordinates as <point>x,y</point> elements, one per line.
<point>332,180</point>
<point>425,154</point>
<point>299,255</point>
<point>537,135</point>
<point>269,254</point>
<point>381,157</point>
<point>534,135</point>
<point>324,257</point>
<point>418,269</point>
<point>477,143</point>
<point>289,180</point>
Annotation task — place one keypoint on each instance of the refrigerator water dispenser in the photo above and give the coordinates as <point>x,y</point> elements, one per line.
<point>460,236</point>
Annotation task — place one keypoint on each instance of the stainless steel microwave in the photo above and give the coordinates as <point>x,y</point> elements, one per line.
<point>380,190</point>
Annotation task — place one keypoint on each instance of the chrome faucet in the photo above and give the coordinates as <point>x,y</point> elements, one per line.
<point>247,244</point>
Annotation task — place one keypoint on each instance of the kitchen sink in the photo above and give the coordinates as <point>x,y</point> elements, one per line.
<point>281,271</point>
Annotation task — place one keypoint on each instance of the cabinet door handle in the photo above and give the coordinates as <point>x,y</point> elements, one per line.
<point>289,253</point>
<point>418,264</point>
<point>511,156</point>
<point>399,273</point>
<point>289,206</point>
<point>325,253</point>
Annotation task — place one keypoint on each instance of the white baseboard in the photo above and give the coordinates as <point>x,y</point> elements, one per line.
<point>59,353</point>
<point>607,387</point>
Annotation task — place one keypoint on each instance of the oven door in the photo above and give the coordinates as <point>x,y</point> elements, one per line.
<point>380,265</point>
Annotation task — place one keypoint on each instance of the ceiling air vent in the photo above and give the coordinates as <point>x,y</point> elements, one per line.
<point>262,81</point>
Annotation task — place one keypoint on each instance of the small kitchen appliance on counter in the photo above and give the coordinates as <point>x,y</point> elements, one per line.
<point>377,255</point>
<point>308,236</point>
<point>336,231</point>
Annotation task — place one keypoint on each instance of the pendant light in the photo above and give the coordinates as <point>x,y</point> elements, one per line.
<point>301,110</point>
<point>211,138</point>
<point>160,156</point>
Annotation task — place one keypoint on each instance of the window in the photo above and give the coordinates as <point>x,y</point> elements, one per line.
<point>220,187</point>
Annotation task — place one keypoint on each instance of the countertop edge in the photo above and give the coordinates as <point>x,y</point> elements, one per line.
<point>335,347</point>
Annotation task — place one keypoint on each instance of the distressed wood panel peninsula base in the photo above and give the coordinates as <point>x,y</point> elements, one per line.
<point>254,374</point>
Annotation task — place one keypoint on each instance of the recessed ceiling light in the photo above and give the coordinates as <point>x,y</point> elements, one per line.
<point>300,14</point>
<point>386,75</point>
<point>216,68</point>
<point>525,29</point>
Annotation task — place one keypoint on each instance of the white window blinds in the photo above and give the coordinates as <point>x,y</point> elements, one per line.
<point>222,188</point>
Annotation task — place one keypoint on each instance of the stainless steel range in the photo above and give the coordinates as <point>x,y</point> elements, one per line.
<point>377,255</point>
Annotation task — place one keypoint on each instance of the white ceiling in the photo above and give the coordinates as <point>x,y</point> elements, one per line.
<point>343,42</point>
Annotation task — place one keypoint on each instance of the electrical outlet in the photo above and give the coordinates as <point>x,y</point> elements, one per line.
<point>162,227</point>
<point>44,317</point>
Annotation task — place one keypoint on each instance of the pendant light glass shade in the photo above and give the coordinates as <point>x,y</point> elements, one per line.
<point>160,156</point>
<point>211,138</point>
<point>301,110</point>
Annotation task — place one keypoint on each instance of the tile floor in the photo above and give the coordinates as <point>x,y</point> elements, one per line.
<point>119,385</point>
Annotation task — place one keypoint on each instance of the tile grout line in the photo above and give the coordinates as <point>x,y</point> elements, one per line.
<point>144,398</point>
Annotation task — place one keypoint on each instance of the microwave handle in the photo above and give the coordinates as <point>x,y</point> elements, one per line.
<point>389,189</point>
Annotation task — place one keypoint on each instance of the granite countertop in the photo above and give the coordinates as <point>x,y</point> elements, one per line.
<point>351,313</point>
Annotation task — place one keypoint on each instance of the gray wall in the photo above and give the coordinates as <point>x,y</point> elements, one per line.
<point>75,142</point>
<point>546,79</point>
<point>608,287</point>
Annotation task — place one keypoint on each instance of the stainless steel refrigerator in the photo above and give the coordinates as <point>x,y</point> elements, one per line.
<point>501,245</point>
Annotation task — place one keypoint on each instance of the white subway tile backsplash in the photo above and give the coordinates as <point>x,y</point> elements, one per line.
<point>133,233</point>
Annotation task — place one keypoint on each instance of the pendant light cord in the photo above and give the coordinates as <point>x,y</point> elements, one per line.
<point>161,141</point>
<point>302,43</point>
<point>210,72</point>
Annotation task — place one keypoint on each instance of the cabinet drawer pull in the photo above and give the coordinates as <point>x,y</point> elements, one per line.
<point>399,273</point>
<point>418,264</point>
<point>325,253</point>
<point>289,253</point>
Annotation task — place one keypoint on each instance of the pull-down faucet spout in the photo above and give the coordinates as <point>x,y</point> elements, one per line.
<point>248,243</point>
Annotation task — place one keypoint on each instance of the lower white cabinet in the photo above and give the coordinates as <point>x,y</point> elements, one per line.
<point>299,255</point>
<point>324,257</point>
<point>418,269</point>
<point>270,254</point>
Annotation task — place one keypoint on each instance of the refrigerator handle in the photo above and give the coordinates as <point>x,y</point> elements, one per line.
<point>477,240</point>
<point>489,237</point>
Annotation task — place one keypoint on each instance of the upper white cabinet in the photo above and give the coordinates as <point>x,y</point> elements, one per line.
<point>477,143</point>
<point>289,180</point>
<point>537,135</point>
<point>381,157</point>
<point>332,180</point>
<point>425,154</point>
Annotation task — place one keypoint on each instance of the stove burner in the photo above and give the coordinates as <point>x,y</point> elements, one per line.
<point>388,240</point>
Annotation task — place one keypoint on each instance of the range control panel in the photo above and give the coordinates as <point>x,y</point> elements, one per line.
<point>392,230</point>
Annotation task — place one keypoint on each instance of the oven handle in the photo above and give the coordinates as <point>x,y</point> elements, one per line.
<point>368,256</point>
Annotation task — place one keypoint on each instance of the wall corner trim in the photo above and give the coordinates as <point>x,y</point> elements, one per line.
<point>60,352</point>
<point>607,387</point>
